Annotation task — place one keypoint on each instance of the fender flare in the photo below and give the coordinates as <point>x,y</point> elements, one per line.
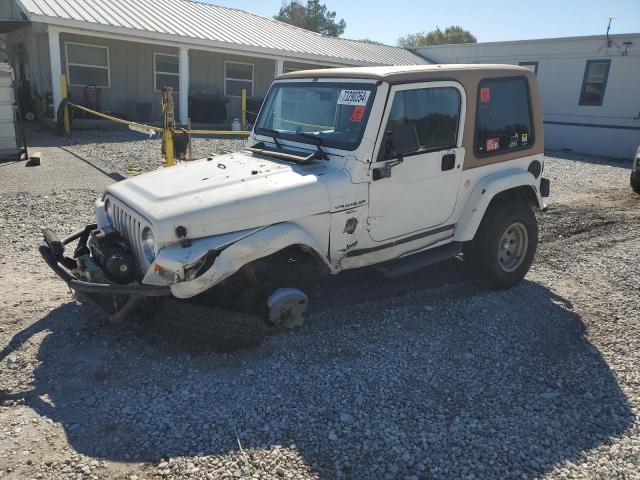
<point>484,192</point>
<point>258,245</point>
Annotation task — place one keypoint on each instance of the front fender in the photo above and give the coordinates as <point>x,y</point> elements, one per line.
<point>486,189</point>
<point>253,247</point>
<point>173,258</point>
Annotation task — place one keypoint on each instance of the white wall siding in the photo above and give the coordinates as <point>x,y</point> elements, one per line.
<point>207,75</point>
<point>608,142</point>
<point>131,71</point>
<point>131,74</point>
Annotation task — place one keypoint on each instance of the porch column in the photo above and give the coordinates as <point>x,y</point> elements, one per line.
<point>183,85</point>
<point>279,67</point>
<point>56,68</point>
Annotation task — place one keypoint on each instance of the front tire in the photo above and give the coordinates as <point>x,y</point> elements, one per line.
<point>504,246</point>
<point>202,328</point>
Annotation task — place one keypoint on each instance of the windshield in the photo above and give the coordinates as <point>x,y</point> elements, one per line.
<point>333,114</point>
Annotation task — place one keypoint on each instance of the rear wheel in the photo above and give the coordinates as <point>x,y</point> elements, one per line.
<point>503,249</point>
<point>635,181</point>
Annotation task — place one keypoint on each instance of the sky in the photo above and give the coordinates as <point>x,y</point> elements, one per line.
<point>488,20</point>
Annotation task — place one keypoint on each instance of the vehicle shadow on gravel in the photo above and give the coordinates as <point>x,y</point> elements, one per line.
<point>425,375</point>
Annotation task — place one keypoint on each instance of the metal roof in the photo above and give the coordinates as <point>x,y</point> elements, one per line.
<point>191,22</point>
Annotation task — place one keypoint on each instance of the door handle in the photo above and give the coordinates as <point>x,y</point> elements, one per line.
<point>448,161</point>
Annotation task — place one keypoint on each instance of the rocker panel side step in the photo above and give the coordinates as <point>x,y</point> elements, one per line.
<point>411,263</point>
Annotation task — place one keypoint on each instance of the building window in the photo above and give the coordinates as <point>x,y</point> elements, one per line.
<point>533,66</point>
<point>433,113</point>
<point>503,119</point>
<point>87,65</point>
<point>594,82</point>
<point>165,71</point>
<point>238,76</point>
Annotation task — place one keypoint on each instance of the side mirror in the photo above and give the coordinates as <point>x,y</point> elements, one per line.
<point>405,139</point>
<point>401,140</point>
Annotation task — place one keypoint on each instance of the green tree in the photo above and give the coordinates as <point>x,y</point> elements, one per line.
<point>368,40</point>
<point>313,16</point>
<point>452,34</point>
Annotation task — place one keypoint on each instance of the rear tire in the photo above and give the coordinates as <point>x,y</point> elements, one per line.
<point>635,181</point>
<point>205,328</point>
<point>504,246</point>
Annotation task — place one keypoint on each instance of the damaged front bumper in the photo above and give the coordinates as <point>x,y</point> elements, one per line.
<point>129,295</point>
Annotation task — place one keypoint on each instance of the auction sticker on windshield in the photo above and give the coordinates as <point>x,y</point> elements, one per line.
<point>354,97</point>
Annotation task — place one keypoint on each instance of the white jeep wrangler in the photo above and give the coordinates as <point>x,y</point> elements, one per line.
<point>392,167</point>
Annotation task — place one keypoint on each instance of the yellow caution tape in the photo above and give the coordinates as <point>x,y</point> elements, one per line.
<point>142,128</point>
<point>114,119</point>
<point>213,132</point>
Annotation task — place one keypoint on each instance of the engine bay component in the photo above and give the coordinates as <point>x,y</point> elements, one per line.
<point>113,254</point>
<point>90,269</point>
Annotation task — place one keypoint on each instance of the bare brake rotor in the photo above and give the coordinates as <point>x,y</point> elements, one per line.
<point>287,307</point>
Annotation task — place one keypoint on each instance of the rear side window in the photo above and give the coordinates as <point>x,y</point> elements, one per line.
<point>433,112</point>
<point>503,120</point>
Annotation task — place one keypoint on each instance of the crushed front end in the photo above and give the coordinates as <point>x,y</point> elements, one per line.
<point>106,266</point>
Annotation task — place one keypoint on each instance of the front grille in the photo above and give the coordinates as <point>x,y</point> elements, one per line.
<point>130,226</point>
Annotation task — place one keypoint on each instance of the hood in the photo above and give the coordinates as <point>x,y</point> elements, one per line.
<point>228,193</point>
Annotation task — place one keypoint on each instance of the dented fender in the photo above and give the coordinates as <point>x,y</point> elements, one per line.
<point>174,258</point>
<point>252,247</point>
<point>485,190</point>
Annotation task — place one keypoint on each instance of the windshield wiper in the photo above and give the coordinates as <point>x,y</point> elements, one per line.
<point>318,142</point>
<point>274,135</point>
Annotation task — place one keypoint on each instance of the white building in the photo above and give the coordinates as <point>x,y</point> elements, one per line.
<point>130,49</point>
<point>590,86</point>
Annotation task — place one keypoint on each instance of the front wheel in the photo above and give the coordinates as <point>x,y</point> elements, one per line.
<point>503,248</point>
<point>205,328</point>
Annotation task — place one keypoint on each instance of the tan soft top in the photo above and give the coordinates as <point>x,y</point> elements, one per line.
<point>469,76</point>
<point>410,73</point>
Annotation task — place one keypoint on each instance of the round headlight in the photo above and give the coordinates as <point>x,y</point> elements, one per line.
<point>108,211</point>
<point>148,244</point>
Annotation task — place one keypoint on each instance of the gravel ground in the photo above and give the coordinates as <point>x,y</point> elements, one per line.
<point>117,150</point>
<point>426,376</point>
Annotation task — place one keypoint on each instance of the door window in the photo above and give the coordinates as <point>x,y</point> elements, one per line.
<point>503,120</point>
<point>434,114</point>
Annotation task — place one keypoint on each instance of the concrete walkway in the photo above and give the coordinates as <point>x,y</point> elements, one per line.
<point>60,169</point>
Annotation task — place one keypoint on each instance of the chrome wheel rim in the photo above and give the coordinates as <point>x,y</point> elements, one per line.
<point>513,247</point>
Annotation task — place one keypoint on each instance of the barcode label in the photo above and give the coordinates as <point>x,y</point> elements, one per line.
<point>354,97</point>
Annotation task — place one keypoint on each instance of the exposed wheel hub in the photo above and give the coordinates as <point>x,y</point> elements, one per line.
<point>287,307</point>
<point>513,247</point>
